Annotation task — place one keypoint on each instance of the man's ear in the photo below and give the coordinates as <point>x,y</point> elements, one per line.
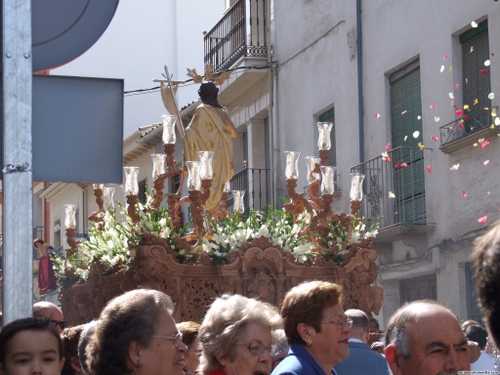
<point>367,335</point>
<point>134,353</point>
<point>223,361</point>
<point>391,355</point>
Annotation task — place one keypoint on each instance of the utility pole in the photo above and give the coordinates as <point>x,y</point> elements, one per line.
<point>18,175</point>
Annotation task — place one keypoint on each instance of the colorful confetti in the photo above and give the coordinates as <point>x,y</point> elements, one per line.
<point>421,146</point>
<point>432,106</point>
<point>406,137</point>
<point>419,117</point>
<point>404,111</point>
<point>464,193</point>
<point>482,219</point>
<point>434,138</point>
<point>445,57</point>
<point>377,115</point>
<point>454,167</point>
<point>457,85</point>
<point>466,107</point>
<point>487,63</point>
<point>386,157</point>
<point>476,101</point>
<point>491,95</point>
<point>474,24</point>
<point>459,112</point>
<point>387,148</point>
<point>416,133</point>
<point>436,118</point>
<point>485,144</point>
<point>404,165</point>
<point>451,68</point>
<point>451,95</point>
<point>497,121</point>
<point>484,71</point>
<point>429,168</point>
<point>398,166</point>
<point>392,195</point>
<point>471,49</point>
<point>442,69</point>
<point>486,162</point>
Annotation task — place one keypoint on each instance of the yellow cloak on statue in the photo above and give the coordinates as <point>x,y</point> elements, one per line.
<point>207,132</point>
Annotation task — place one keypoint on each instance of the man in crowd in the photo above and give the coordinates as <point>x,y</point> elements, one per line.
<point>424,337</point>
<point>362,360</point>
<point>49,311</point>
<point>478,334</point>
<point>487,265</point>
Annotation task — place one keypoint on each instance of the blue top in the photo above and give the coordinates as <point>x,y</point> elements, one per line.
<point>299,362</point>
<point>362,361</point>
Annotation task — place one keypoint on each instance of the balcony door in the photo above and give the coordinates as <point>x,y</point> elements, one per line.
<point>407,158</point>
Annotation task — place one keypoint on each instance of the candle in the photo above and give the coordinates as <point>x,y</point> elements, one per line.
<point>324,129</point>
<point>206,159</point>
<point>168,136</point>
<point>158,165</point>
<point>108,198</point>
<point>356,192</point>
<point>69,217</point>
<point>328,179</point>
<point>193,180</point>
<point>292,169</point>
<point>131,183</point>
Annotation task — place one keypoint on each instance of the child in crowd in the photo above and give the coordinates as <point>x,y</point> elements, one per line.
<point>28,346</point>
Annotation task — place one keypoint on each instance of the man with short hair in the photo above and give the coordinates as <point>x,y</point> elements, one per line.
<point>478,334</point>
<point>424,337</point>
<point>49,311</point>
<point>487,266</point>
<point>362,360</point>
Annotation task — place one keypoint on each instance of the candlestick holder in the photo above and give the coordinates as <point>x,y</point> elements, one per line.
<point>96,216</point>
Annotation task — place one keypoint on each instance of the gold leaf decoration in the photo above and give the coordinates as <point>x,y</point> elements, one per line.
<point>209,71</point>
<point>219,80</point>
<point>194,75</point>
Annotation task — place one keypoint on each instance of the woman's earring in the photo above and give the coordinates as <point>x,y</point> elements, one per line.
<point>309,342</point>
<point>139,363</point>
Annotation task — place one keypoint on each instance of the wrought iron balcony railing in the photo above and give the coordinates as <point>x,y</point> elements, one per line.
<point>394,188</point>
<point>462,127</point>
<point>256,183</point>
<point>242,32</point>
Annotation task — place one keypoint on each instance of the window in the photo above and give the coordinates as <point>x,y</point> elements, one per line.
<point>423,287</point>
<point>473,310</point>
<point>329,116</point>
<point>476,85</point>
<point>406,110</point>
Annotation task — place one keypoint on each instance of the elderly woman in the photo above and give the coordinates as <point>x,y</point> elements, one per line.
<point>136,335</point>
<point>189,331</point>
<point>237,337</point>
<point>317,329</point>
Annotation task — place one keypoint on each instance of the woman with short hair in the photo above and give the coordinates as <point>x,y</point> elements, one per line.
<point>237,336</point>
<point>136,335</point>
<point>316,327</point>
<point>189,331</point>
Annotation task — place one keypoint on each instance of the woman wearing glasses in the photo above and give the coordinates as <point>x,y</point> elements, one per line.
<point>317,329</point>
<point>136,335</point>
<point>237,337</point>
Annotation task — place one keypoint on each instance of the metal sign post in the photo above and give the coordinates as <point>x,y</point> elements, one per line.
<point>18,177</point>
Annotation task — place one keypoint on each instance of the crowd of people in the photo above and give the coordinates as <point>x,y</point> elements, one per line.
<point>136,334</point>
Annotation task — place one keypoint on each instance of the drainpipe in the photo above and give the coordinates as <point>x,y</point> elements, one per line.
<point>359,53</point>
<point>273,99</point>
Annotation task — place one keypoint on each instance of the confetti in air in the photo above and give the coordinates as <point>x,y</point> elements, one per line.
<point>482,219</point>
<point>377,115</point>
<point>429,168</point>
<point>459,112</point>
<point>406,137</point>
<point>486,162</point>
<point>457,85</point>
<point>392,195</point>
<point>446,57</point>
<point>442,69</point>
<point>388,147</point>
<point>451,95</point>
<point>497,121</point>
<point>474,24</point>
<point>421,146</point>
<point>432,106</point>
<point>487,63</point>
<point>491,96</point>
<point>435,139</point>
<point>464,193</point>
<point>416,133</point>
<point>419,117</point>
<point>404,111</point>
<point>454,167</point>
<point>484,71</point>
<point>436,118</point>
<point>485,144</point>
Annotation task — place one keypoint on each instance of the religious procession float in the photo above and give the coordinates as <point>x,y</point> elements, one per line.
<point>259,254</point>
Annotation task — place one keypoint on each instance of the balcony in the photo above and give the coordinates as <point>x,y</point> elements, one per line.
<point>242,32</point>
<point>256,184</point>
<point>454,136</point>
<point>394,191</point>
